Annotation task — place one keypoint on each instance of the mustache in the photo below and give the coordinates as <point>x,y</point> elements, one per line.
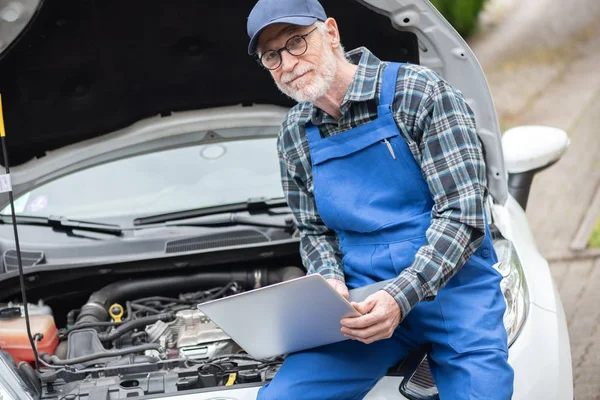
<point>298,71</point>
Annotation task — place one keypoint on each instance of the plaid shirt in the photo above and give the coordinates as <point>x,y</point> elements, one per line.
<point>439,128</point>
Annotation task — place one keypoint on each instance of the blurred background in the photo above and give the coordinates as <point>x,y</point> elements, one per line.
<point>542,62</point>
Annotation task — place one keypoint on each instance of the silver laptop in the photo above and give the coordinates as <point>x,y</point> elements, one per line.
<point>286,317</point>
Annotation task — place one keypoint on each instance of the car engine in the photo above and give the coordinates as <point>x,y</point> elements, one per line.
<point>142,337</point>
<point>172,323</point>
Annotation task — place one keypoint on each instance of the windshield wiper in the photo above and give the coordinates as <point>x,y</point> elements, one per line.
<point>228,219</point>
<point>64,224</point>
<point>252,205</point>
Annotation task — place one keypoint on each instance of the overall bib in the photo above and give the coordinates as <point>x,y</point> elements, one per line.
<point>378,203</point>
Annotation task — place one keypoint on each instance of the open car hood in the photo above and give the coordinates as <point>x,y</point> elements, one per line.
<point>74,70</point>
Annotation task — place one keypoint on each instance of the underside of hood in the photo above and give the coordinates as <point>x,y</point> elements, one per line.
<point>83,68</point>
<point>79,69</point>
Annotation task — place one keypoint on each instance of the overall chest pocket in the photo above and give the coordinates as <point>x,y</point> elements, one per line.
<point>365,185</point>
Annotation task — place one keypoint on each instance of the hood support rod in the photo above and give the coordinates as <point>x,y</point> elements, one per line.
<point>6,186</point>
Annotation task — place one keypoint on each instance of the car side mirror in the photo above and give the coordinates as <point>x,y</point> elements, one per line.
<point>527,151</point>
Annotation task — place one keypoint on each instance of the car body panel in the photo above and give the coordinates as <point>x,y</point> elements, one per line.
<point>541,357</point>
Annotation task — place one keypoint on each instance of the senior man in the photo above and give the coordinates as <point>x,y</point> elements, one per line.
<point>383,169</point>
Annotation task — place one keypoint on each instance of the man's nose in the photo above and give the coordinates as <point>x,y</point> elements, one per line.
<point>288,61</point>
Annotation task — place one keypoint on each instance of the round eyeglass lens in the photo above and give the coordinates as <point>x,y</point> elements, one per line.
<point>271,59</point>
<point>296,45</point>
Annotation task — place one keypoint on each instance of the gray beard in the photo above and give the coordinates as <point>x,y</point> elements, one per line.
<point>320,84</point>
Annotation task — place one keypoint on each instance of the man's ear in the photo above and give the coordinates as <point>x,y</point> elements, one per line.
<point>333,32</point>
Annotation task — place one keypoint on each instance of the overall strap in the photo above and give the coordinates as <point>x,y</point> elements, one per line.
<point>388,85</point>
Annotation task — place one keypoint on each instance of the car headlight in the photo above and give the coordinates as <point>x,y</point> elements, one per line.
<point>514,288</point>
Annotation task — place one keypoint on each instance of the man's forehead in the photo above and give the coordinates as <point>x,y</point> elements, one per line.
<point>277,32</point>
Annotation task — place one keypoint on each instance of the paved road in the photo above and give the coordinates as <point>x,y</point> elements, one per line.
<point>561,198</point>
<point>521,28</point>
<point>579,285</point>
<point>542,64</point>
<point>577,180</point>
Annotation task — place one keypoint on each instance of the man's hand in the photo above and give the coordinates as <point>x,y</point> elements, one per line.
<point>339,287</point>
<point>381,316</point>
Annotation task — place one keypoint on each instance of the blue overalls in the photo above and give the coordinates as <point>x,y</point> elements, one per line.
<point>380,207</point>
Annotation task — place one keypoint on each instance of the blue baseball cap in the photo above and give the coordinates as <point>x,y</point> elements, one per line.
<point>269,12</point>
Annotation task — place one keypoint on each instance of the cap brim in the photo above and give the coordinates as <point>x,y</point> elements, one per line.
<point>301,21</point>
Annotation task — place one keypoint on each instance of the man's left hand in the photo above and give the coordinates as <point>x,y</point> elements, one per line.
<point>381,316</point>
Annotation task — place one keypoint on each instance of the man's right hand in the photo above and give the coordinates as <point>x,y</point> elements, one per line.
<point>339,287</point>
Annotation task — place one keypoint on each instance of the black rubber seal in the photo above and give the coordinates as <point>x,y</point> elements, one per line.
<point>10,313</point>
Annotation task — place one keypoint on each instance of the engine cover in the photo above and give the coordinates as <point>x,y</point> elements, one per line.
<point>193,335</point>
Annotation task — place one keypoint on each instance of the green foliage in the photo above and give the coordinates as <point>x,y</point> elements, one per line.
<point>595,238</point>
<point>462,14</point>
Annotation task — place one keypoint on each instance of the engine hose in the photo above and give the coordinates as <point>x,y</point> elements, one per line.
<point>136,323</point>
<point>96,308</point>
<point>71,317</point>
<point>108,353</point>
<point>61,350</point>
<point>143,308</point>
<point>30,376</point>
<point>132,360</point>
<point>94,325</point>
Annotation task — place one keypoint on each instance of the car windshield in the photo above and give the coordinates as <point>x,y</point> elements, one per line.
<point>165,181</point>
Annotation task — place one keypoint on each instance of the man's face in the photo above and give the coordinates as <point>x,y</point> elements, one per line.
<point>306,77</point>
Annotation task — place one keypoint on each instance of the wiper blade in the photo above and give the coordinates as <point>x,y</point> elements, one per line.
<point>65,224</point>
<point>228,219</point>
<point>251,205</point>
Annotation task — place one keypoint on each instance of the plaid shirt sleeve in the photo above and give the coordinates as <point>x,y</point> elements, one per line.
<point>441,128</point>
<point>319,247</point>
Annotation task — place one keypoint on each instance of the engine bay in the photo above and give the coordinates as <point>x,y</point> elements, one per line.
<point>140,337</point>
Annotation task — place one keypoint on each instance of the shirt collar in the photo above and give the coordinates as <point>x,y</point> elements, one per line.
<point>362,88</point>
<point>364,84</point>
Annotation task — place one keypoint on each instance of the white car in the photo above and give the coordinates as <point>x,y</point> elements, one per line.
<point>145,176</point>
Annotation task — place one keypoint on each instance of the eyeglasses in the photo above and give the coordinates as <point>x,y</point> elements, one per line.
<point>296,46</point>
